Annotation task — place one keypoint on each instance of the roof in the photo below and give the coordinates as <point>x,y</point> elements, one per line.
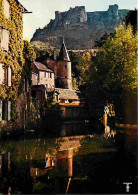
<point>42,67</point>
<point>74,105</point>
<point>25,10</point>
<point>65,94</point>
<point>63,55</point>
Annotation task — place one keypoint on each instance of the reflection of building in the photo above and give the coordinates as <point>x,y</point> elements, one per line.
<point>5,164</point>
<point>64,161</point>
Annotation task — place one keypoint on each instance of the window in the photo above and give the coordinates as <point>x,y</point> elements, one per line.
<point>4,39</point>
<point>6,9</point>
<point>33,93</point>
<point>5,110</point>
<point>7,76</point>
<point>56,97</point>
<point>45,74</point>
<point>51,75</point>
<point>65,67</point>
<point>70,101</point>
<point>1,74</point>
<point>39,76</point>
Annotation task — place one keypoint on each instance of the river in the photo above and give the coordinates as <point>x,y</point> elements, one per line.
<point>70,164</point>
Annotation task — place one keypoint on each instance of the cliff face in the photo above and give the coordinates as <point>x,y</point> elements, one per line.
<point>79,28</point>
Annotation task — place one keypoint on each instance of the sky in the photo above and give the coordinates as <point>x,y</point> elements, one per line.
<point>44,10</point>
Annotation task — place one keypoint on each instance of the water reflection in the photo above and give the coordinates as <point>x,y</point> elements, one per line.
<point>109,133</point>
<point>39,164</point>
<point>75,164</point>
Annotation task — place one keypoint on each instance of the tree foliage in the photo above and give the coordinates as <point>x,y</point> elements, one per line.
<point>112,74</point>
<point>81,61</point>
<point>29,56</point>
<point>131,18</point>
<point>103,39</point>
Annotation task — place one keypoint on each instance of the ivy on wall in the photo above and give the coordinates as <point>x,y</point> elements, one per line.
<point>15,57</point>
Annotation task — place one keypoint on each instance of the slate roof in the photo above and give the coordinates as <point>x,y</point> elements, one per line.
<point>65,94</point>
<point>63,55</point>
<point>42,67</point>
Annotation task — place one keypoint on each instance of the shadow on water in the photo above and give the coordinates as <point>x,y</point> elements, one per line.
<point>73,164</point>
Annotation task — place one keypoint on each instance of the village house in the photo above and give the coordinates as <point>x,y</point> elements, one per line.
<point>11,57</point>
<point>41,75</point>
<point>43,81</point>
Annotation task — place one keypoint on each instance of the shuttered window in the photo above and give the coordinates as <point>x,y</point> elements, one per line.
<point>6,76</point>
<point>9,111</point>
<point>0,110</point>
<point>0,35</point>
<point>6,9</point>
<point>9,76</point>
<point>6,110</point>
<point>1,74</point>
<point>4,39</point>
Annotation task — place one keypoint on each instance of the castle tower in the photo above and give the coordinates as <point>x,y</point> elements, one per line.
<point>64,69</point>
<point>113,11</point>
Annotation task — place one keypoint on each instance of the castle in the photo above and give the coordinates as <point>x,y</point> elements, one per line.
<point>80,28</point>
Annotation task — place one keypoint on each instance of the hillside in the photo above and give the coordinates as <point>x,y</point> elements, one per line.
<point>79,28</point>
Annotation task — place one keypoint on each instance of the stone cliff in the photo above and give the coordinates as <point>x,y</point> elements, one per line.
<point>79,28</point>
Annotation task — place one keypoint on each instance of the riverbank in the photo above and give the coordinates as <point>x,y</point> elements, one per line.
<point>127,126</point>
<point>68,129</point>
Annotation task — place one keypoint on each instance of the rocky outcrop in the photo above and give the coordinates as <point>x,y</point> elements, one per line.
<point>79,28</point>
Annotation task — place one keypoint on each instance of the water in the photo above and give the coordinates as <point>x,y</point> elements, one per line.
<point>74,164</point>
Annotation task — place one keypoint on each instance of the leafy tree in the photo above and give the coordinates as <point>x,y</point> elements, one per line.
<point>80,65</point>
<point>112,75</point>
<point>29,56</point>
<point>103,39</point>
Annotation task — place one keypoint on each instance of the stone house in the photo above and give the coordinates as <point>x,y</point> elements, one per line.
<point>41,75</point>
<point>11,62</point>
<point>43,82</point>
<point>10,49</point>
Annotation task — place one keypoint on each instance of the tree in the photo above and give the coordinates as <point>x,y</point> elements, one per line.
<point>112,75</point>
<point>103,39</point>
<point>80,65</point>
<point>131,18</point>
<point>29,56</point>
